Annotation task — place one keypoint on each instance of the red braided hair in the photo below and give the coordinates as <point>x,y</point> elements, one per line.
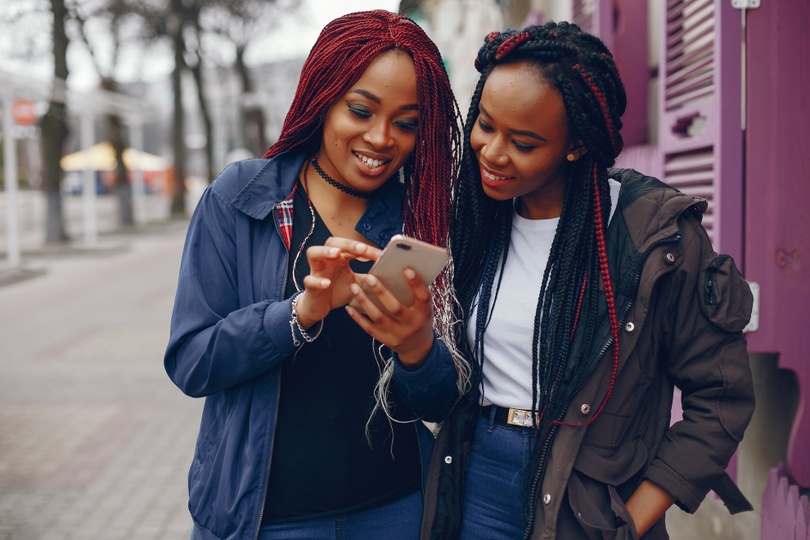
<point>340,56</point>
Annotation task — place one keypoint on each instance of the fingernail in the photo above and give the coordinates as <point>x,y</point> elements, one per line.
<point>371,280</point>
<point>355,289</point>
<point>409,273</point>
<point>349,310</point>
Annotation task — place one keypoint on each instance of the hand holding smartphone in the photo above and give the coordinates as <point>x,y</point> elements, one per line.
<point>403,252</point>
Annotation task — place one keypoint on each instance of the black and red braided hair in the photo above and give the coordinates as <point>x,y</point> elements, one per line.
<point>342,52</point>
<point>575,311</point>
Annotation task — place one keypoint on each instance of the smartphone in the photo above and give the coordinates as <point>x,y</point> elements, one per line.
<point>403,252</point>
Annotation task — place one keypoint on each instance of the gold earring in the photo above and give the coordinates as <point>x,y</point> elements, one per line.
<point>571,157</point>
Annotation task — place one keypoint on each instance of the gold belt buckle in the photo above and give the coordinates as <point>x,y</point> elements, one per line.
<point>520,417</point>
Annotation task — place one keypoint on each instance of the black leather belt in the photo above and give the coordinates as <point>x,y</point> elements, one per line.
<point>509,417</point>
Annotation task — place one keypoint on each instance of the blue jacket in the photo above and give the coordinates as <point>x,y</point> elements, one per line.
<point>230,332</point>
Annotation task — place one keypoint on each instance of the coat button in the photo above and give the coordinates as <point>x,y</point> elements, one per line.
<point>547,498</point>
<point>585,408</point>
<point>670,257</point>
<point>629,327</point>
<point>448,459</point>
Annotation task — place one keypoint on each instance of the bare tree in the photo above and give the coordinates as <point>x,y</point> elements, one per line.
<point>54,128</point>
<point>112,15</point>
<point>240,24</point>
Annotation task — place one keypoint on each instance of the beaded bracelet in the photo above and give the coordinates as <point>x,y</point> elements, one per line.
<point>296,325</point>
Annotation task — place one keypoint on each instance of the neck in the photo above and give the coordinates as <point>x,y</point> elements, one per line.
<point>338,210</point>
<point>339,185</point>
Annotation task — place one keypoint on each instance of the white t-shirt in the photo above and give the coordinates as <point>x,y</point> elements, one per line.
<point>508,337</point>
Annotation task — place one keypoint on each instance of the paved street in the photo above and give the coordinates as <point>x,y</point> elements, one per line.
<point>95,441</point>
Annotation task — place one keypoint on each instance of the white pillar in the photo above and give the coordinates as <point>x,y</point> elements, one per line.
<point>10,171</point>
<point>89,181</point>
<point>138,185</point>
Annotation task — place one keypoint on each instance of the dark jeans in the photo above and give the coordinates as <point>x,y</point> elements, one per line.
<point>398,520</point>
<point>500,461</point>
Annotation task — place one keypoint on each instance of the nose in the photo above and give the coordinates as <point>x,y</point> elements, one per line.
<point>493,151</point>
<point>379,135</point>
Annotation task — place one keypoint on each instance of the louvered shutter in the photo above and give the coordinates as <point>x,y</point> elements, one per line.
<point>622,26</point>
<point>700,134</point>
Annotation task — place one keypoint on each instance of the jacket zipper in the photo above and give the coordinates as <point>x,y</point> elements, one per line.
<point>636,281</point>
<point>709,298</point>
<point>275,416</point>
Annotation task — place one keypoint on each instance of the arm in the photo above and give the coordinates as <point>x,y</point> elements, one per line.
<point>708,361</point>
<point>424,372</point>
<point>215,342</point>
<point>430,389</point>
<point>647,505</point>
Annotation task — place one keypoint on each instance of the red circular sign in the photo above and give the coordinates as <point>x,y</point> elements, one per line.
<point>25,112</point>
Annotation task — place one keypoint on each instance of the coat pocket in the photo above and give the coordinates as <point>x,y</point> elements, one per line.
<point>725,298</point>
<point>597,510</point>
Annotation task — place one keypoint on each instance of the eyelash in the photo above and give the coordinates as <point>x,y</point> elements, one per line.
<point>405,125</point>
<point>520,146</point>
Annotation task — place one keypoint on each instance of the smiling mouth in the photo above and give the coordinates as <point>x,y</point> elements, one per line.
<point>369,162</point>
<point>492,177</point>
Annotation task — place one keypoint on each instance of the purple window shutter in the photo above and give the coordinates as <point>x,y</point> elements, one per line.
<point>700,134</point>
<point>622,26</point>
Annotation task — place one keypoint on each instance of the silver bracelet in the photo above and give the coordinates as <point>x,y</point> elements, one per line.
<point>296,325</point>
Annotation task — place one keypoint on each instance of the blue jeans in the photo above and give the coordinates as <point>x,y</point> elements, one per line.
<point>500,463</point>
<point>398,520</point>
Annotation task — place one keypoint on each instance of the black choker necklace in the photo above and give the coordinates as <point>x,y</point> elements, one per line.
<point>341,187</point>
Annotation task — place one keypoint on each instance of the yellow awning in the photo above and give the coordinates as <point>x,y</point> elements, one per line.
<point>102,158</point>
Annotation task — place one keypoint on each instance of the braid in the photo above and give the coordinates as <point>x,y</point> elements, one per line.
<point>341,54</point>
<point>576,282</point>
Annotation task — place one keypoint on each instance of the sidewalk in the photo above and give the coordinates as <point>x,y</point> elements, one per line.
<point>95,441</point>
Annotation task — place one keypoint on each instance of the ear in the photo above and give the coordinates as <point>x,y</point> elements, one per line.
<point>576,150</point>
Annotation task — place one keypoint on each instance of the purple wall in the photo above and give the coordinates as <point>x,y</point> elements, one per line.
<point>777,225</point>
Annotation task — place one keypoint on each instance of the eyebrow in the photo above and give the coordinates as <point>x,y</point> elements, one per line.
<point>375,99</point>
<point>523,132</point>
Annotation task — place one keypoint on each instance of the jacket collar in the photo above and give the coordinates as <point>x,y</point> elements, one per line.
<point>273,185</point>
<point>650,208</point>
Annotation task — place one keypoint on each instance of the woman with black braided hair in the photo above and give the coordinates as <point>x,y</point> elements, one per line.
<point>588,294</point>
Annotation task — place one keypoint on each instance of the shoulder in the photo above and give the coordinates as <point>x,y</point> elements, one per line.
<point>254,186</point>
<point>651,207</point>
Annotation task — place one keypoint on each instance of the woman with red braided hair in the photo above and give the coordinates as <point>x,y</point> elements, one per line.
<point>589,293</point>
<point>300,435</point>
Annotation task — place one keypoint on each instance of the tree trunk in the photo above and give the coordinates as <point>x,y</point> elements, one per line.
<point>178,207</point>
<point>116,133</point>
<point>207,124</point>
<point>55,131</point>
<point>253,121</point>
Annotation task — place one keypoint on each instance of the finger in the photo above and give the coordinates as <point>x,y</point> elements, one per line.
<point>353,248</point>
<point>317,283</point>
<point>420,291</point>
<point>361,320</point>
<point>367,304</point>
<point>317,254</point>
<point>389,302</point>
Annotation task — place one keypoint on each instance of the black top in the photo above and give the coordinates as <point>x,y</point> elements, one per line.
<point>322,463</point>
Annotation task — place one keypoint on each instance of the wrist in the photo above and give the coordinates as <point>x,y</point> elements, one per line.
<point>300,329</point>
<point>414,357</point>
<point>302,311</point>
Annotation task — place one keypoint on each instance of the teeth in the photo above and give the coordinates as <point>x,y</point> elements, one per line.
<point>371,163</point>
<point>489,176</point>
